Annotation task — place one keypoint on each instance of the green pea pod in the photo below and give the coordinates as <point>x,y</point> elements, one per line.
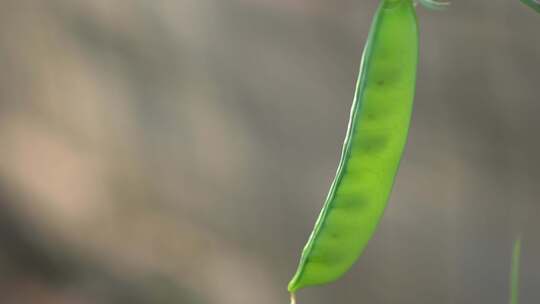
<point>373,147</point>
<point>534,4</point>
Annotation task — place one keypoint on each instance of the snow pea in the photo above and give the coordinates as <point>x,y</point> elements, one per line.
<point>373,147</point>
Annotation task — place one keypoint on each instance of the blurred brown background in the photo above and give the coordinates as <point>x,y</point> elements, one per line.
<point>178,151</point>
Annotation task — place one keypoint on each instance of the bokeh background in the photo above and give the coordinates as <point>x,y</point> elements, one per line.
<point>179,151</point>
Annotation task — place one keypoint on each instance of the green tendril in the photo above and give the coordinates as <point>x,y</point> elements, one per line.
<point>514,272</point>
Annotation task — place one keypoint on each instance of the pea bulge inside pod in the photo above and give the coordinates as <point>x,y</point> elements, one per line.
<point>373,147</point>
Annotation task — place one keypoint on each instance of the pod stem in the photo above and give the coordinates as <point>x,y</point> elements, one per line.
<point>293,298</point>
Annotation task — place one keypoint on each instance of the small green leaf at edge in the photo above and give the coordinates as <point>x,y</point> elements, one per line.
<point>534,4</point>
